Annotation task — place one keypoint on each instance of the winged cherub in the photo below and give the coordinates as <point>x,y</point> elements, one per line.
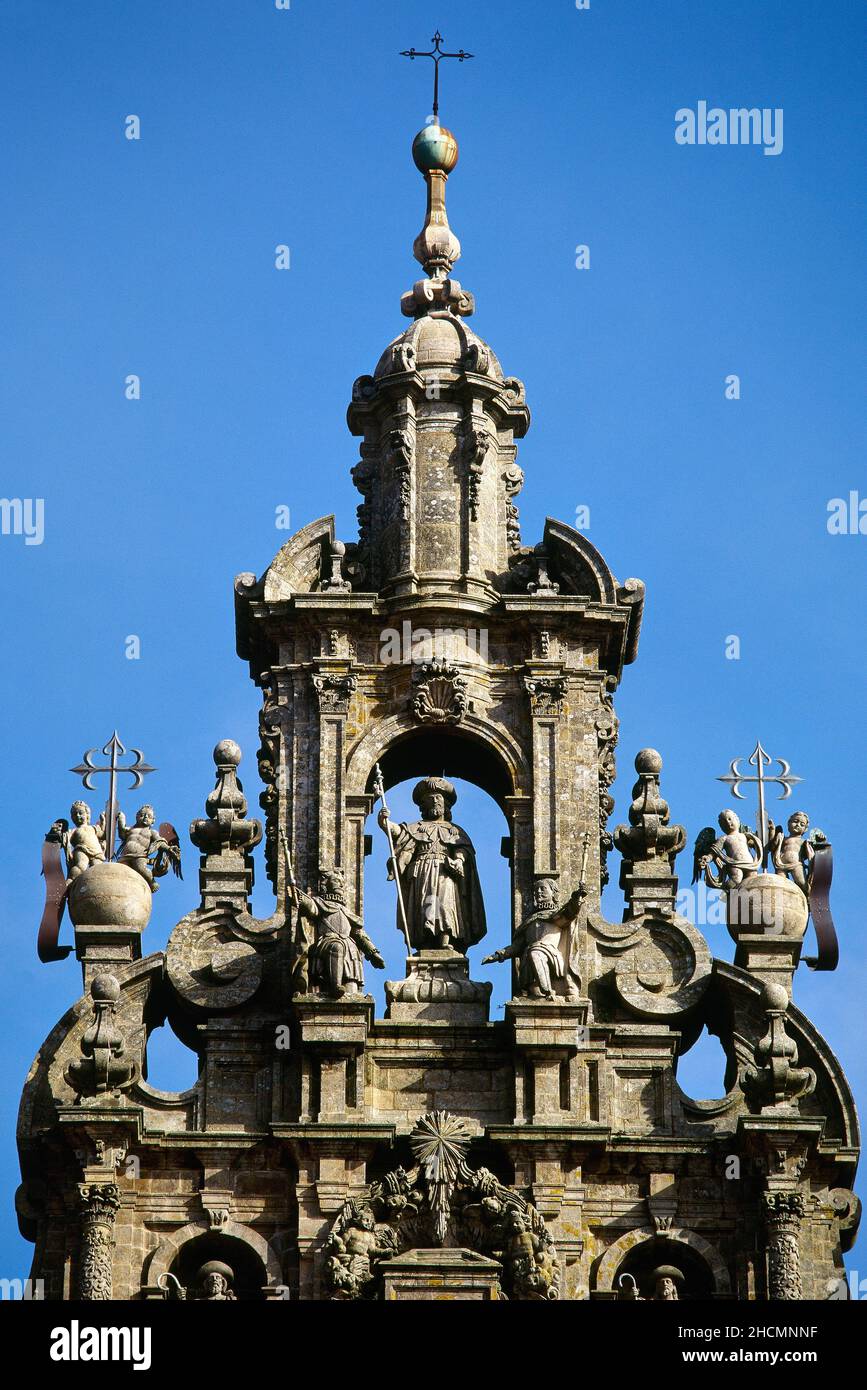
<point>737,853</point>
<point>150,852</point>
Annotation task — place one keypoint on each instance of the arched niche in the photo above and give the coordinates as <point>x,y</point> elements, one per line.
<point>250,1256</point>
<point>475,751</point>
<point>643,1250</point>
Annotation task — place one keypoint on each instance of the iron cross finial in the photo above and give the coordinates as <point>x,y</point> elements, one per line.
<point>760,760</point>
<point>437,54</point>
<point>87,769</point>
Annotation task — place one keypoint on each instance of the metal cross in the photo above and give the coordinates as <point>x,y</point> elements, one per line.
<point>88,769</point>
<point>760,760</point>
<point>437,55</point>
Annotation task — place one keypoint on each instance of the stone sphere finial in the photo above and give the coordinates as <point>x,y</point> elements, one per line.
<point>648,760</point>
<point>775,998</point>
<point>227,751</point>
<point>104,989</point>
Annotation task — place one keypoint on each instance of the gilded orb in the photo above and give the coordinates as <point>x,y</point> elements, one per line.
<point>435,148</point>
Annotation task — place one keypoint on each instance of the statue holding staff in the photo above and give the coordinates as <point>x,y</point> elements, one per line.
<point>434,864</point>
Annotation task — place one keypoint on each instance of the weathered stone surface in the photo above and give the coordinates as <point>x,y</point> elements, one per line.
<point>324,1153</point>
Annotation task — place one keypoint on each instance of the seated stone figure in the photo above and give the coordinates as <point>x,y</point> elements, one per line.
<point>539,945</point>
<point>340,942</point>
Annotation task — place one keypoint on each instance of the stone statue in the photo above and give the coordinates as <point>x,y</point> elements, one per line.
<point>665,1281</point>
<point>436,865</point>
<point>791,854</point>
<point>340,942</point>
<point>85,845</point>
<point>738,853</point>
<point>214,1281</point>
<point>150,852</point>
<point>544,946</point>
<point>353,1247</point>
<point>212,1284</point>
<point>529,1259</point>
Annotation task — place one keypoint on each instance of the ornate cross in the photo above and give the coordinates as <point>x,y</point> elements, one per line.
<point>761,760</point>
<point>437,55</point>
<point>88,769</point>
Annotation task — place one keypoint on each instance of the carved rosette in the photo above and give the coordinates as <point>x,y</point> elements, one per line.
<point>100,1203</point>
<point>784,1212</point>
<point>546,695</point>
<point>440,693</point>
<point>334,691</point>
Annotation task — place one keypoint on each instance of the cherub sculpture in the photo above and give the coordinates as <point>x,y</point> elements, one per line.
<point>85,844</point>
<point>737,853</point>
<point>539,945</point>
<point>792,855</point>
<point>149,852</point>
<point>354,1246</point>
<point>528,1257</point>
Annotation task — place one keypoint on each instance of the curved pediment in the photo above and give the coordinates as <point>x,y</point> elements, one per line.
<point>297,566</point>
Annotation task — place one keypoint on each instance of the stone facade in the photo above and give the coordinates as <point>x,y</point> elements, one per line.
<point>328,1153</point>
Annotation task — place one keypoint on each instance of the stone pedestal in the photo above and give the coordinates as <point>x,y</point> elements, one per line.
<point>438,988</point>
<point>773,959</point>
<point>333,1034</point>
<point>441,1274</point>
<point>110,906</point>
<point>548,1034</point>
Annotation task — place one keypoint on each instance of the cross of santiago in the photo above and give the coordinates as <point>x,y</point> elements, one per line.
<point>437,54</point>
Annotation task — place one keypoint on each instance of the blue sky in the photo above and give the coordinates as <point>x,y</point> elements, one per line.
<point>156,257</point>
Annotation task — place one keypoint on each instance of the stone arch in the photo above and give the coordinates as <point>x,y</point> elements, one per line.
<point>477,751</point>
<point>166,1254</point>
<point>495,760</point>
<point>616,1254</point>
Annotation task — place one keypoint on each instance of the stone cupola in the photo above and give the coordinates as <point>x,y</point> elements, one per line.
<point>438,421</point>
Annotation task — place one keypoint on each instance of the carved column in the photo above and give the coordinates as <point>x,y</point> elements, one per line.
<point>784,1212</point>
<point>546,704</point>
<point>334,688</point>
<point>100,1202</point>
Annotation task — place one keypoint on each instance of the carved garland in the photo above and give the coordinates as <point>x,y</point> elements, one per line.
<point>607,732</point>
<point>400,454</point>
